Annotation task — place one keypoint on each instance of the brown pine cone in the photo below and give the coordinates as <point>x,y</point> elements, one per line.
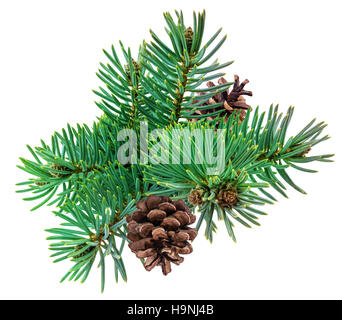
<point>159,232</point>
<point>195,197</point>
<point>227,197</point>
<point>231,102</point>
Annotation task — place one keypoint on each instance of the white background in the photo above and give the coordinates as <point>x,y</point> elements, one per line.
<point>291,53</point>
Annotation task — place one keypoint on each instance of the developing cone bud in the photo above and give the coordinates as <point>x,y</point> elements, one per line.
<point>188,34</point>
<point>57,167</point>
<point>195,197</point>
<point>227,197</point>
<point>136,67</point>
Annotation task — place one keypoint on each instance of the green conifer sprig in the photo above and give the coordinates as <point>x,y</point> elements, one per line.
<point>94,223</point>
<point>79,173</point>
<point>176,72</point>
<point>74,155</point>
<point>120,98</point>
<point>92,228</point>
<point>253,149</point>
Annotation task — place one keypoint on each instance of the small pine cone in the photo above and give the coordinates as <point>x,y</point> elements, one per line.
<point>40,183</point>
<point>159,232</point>
<point>231,102</point>
<point>136,68</point>
<point>195,197</point>
<point>57,167</point>
<point>188,34</point>
<point>227,197</point>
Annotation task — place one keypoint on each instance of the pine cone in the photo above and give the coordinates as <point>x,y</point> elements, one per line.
<point>136,68</point>
<point>195,197</point>
<point>188,34</point>
<point>159,232</point>
<point>227,197</point>
<point>231,101</point>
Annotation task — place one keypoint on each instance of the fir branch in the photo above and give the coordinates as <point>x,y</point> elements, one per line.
<point>120,99</point>
<point>79,171</point>
<point>280,153</point>
<point>74,155</point>
<point>252,149</point>
<point>171,79</point>
<point>95,223</point>
<point>91,232</point>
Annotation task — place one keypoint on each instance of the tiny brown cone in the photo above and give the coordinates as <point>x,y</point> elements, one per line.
<point>159,232</point>
<point>227,198</point>
<point>231,102</point>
